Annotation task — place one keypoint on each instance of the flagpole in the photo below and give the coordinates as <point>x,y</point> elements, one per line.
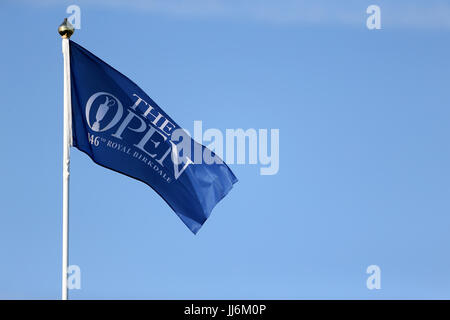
<point>66,30</point>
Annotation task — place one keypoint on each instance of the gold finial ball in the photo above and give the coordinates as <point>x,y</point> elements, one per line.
<point>66,29</point>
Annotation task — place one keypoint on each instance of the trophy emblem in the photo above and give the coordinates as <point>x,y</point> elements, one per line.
<point>101,112</point>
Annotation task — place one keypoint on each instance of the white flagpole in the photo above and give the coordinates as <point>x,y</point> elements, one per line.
<point>66,30</point>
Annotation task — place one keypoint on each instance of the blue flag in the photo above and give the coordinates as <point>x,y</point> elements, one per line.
<point>121,128</point>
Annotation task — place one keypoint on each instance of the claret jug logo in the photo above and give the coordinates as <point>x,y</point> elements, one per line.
<point>98,107</point>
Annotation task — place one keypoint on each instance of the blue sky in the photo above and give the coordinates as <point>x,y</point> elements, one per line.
<point>364,153</point>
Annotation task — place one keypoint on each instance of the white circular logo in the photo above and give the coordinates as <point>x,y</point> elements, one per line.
<point>106,102</point>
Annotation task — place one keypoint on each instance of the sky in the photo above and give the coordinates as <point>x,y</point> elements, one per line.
<point>364,153</point>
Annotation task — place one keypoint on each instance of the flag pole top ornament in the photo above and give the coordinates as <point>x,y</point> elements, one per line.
<point>66,29</point>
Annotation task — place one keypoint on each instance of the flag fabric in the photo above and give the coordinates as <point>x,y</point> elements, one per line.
<point>121,128</point>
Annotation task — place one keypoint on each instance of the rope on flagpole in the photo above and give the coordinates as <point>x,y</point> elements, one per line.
<point>66,30</point>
